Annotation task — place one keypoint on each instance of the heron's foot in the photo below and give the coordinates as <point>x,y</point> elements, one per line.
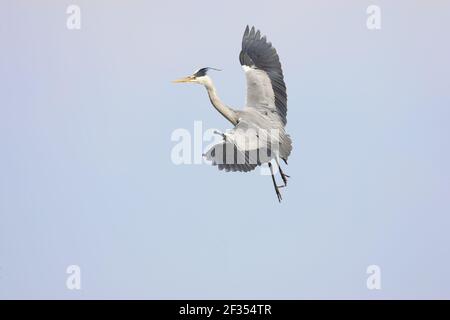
<point>219,133</point>
<point>284,177</point>
<point>282,174</point>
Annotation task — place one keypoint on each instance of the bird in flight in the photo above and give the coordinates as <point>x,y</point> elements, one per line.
<point>259,135</point>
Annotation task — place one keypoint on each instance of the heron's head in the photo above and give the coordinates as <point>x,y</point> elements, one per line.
<point>200,76</point>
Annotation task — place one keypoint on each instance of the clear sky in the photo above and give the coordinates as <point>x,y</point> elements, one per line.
<point>86,176</point>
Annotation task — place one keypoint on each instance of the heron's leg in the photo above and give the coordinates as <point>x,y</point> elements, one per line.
<point>283,175</point>
<point>275,183</point>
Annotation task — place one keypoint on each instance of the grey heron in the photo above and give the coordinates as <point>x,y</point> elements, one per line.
<point>259,134</point>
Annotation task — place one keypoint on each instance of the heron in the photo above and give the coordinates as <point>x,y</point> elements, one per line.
<point>258,136</point>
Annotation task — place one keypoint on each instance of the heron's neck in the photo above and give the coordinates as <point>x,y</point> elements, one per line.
<point>224,110</point>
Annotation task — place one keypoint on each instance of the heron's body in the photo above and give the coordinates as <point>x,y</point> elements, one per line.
<point>259,134</point>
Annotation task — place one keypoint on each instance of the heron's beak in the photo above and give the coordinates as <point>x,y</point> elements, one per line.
<point>182,80</point>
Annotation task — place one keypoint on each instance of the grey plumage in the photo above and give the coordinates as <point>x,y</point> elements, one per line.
<point>259,134</point>
<point>266,106</point>
<point>247,137</point>
<point>220,155</point>
<point>262,59</point>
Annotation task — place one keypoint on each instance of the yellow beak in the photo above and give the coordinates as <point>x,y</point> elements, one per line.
<point>187,79</point>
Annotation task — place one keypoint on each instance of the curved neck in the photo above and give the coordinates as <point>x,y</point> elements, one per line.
<point>224,110</point>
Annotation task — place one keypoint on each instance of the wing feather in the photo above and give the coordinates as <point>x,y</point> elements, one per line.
<point>243,149</point>
<point>265,80</point>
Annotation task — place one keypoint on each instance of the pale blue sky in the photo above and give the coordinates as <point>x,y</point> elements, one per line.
<point>86,176</point>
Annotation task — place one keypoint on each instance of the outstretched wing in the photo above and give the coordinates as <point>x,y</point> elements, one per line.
<point>226,156</point>
<point>243,149</point>
<point>266,89</point>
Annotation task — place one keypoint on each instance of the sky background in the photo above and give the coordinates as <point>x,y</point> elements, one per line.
<point>86,176</point>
